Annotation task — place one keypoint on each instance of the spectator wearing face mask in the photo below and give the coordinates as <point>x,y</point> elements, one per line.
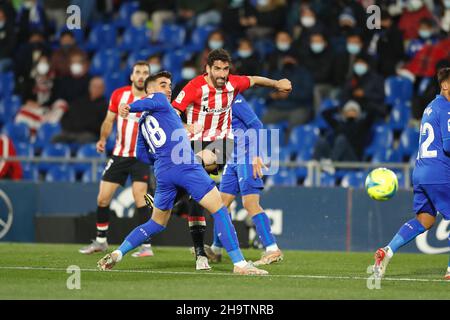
<point>409,22</point>
<point>318,59</point>
<point>343,62</point>
<point>427,36</point>
<point>365,87</point>
<point>386,46</point>
<point>60,58</point>
<point>283,48</point>
<point>154,62</point>
<point>297,107</point>
<point>215,40</point>
<point>308,23</point>
<point>7,41</point>
<point>246,60</point>
<point>41,80</point>
<point>270,16</point>
<point>237,17</point>
<point>349,135</point>
<point>444,16</point>
<point>188,72</point>
<point>76,84</point>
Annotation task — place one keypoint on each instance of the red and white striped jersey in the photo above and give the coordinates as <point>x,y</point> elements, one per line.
<point>209,106</point>
<point>127,129</point>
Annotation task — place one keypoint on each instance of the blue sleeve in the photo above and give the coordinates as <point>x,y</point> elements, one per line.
<point>245,113</point>
<point>444,119</point>
<point>151,103</point>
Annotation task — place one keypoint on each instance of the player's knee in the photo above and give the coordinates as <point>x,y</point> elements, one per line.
<point>103,200</point>
<point>251,206</point>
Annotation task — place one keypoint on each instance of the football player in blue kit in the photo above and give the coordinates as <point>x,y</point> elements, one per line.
<point>431,175</point>
<point>242,174</point>
<point>162,138</point>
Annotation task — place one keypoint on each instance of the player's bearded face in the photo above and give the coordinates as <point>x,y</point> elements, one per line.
<point>140,73</point>
<point>218,73</point>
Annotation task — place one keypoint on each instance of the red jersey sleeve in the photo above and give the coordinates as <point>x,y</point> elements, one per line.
<point>185,97</point>
<point>114,102</point>
<point>240,83</point>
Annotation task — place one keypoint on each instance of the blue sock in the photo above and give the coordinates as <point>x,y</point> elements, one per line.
<point>262,224</point>
<point>216,241</point>
<point>407,232</point>
<point>449,247</point>
<point>227,234</point>
<point>139,235</point>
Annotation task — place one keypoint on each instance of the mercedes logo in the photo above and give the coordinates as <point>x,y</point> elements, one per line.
<point>6,214</point>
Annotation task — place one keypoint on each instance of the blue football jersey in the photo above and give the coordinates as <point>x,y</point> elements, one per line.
<point>433,164</point>
<point>243,119</point>
<point>162,137</point>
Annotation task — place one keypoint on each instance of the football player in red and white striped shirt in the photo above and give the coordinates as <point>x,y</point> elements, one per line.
<point>123,163</point>
<point>206,103</point>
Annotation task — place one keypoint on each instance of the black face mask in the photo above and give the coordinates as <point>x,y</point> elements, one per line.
<point>289,66</point>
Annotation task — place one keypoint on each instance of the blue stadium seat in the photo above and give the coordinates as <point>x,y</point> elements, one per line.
<point>409,142</point>
<point>102,36</point>
<point>142,54</point>
<point>398,90</point>
<point>84,152</point>
<point>354,179</point>
<point>18,132</point>
<point>45,134</point>
<point>60,173</point>
<point>327,180</point>
<point>24,149</point>
<point>386,155</point>
<point>284,177</point>
<point>87,176</point>
<point>198,38</point>
<point>171,36</point>
<point>303,137</point>
<point>382,138</point>
<point>113,81</point>
<point>135,38</point>
<point>259,106</point>
<point>401,178</point>
<point>57,150</point>
<point>173,61</point>
<point>6,84</point>
<point>273,130</point>
<point>105,62</point>
<point>9,106</point>
<point>126,10</point>
<point>30,171</point>
<point>264,47</point>
<point>400,115</point>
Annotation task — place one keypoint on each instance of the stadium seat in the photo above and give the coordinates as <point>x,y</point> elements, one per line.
<point>24,149</point>
<point>135,38</point>
<point>198,38</point>
<point>171,36</point>
<point>105,62</point>
<point>6,84</point>
<point>409,142</point>
<point>400,115</point>
<point>258,105</point>
<point>84,152</point>
<point>173,61</point>
<point>9,106</point>
<point>284,177</point>
<point>303,137</point>
<point>264,47</point>
<point>18,132</point>
<point>30,171</point>
<point>57,150</point>
<point>398,90</point>
<point>354,179</point>
<point>327,180</point>
<point>87,176</point>
<point>102,36</point>
<point>142,54</point>
<point>113,81</point>
<point>126,10</point>
<point>382,138</point>
<point>60,173</point>
<point>275,137</point>
<point>45,134</point>
<point>386,155</point>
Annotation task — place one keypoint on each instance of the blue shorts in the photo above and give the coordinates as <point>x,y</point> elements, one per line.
<point>239,178</point>
<point>190,177</point>
<point>432,198</point>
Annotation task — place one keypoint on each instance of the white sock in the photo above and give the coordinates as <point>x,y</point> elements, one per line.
<point>389,252</point>
<point>448,269</point>
<point>216,250</point>
<point>100,239</point>
<point>118,255</point>
<point>272,247</point>
<point>241,264</point>
<point>147,245</point>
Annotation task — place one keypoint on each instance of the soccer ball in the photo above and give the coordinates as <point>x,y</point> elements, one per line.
<point>381,184</point>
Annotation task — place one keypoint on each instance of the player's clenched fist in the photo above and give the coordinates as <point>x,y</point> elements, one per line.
<point>283,85</point>
<point>124,110</point>
<point>101,146</point>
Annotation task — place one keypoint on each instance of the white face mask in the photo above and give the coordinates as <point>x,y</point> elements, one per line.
<point>308,21</point>
<point>215,44</point>
<point>283,46</point>
<point>447,4</point>
<point>42,68</point>
<point>154,68</point>
<point>244,53</point>
<point>414,5</point>
<point>263,3</point>
<point>188,73</point>
<point>76,68</point>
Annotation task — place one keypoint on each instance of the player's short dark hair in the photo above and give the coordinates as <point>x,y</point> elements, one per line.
<point>156,76</point>
<point>218,55</point>
<point>140,63</point>
<point>443,75</point>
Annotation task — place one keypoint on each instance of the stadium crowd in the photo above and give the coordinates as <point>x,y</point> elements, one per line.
<point>358,92</point>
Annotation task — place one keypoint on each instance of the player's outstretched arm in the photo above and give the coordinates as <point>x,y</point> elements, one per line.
<point>283,85</point>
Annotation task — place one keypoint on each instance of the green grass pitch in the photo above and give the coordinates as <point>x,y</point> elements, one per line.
<point>38,271</point>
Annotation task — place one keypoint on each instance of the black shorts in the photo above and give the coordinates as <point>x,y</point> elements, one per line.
<point>223,149</point>
<point>118,169</point>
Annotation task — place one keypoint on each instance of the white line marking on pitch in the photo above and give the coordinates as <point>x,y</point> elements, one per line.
<point>227,274</point>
